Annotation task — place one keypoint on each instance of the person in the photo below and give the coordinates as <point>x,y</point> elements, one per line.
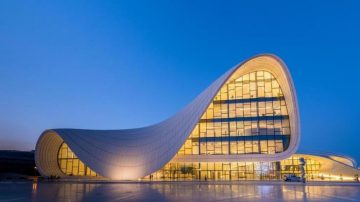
<point>302,169</point>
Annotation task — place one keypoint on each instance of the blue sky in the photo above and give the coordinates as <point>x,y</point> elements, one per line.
<point>125,64</point>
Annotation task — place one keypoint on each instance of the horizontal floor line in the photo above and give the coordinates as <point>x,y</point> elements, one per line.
<point>246,100</point>
<point>250,118</point>
<point>240,138</point>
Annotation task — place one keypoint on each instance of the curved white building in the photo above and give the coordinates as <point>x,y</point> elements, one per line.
<point>249,116</point>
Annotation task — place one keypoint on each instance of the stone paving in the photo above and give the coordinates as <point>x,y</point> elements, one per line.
<point>177,191</point>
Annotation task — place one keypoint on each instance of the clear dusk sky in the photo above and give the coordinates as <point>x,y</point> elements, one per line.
<point>126,64</point>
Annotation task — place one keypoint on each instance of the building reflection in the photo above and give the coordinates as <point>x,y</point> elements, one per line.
<point>61,191</point>
<point>186,191</point>
<point>34,186</point>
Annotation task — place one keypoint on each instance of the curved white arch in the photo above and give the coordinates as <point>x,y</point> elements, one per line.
<point>343,159</point>
<point>135,153</point>
<point>330,166</point>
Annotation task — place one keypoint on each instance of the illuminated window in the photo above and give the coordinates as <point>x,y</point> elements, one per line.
<point>251,105</point>
<point>70,164</point>
<point>237,170</point>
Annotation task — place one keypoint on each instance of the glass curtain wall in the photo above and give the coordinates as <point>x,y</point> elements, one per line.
<point>71,165</point>
<point>237,170</point>
<point>247,116</point>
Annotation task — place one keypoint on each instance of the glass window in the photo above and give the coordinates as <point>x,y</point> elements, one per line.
<point>246,117</point>
<point>70,164</point>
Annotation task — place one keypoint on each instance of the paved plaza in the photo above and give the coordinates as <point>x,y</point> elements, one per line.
<point>177,191</point>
